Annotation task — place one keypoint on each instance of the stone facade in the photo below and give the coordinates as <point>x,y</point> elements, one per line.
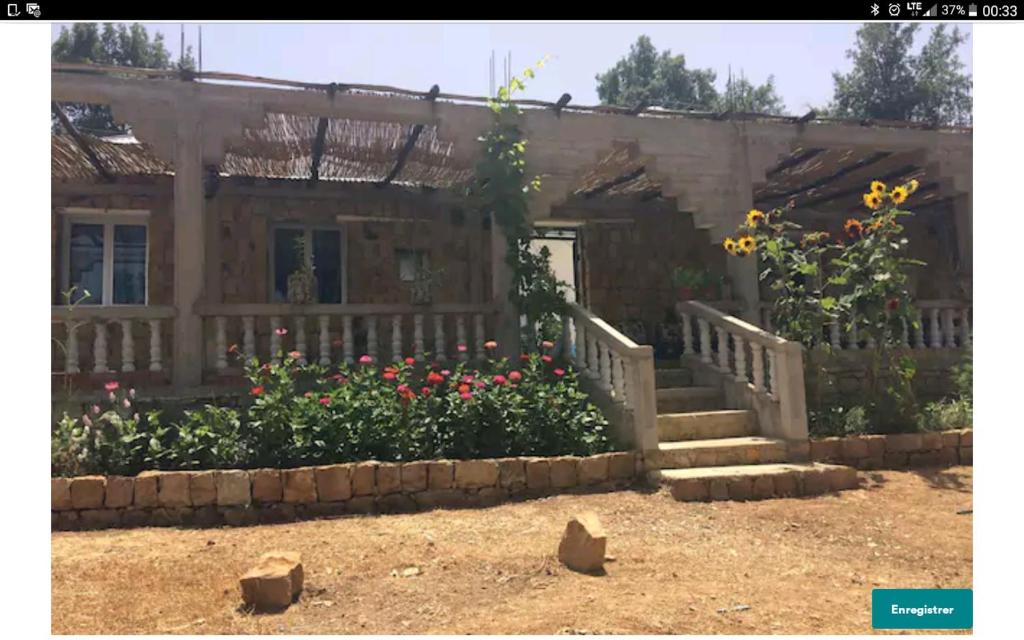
<point>897,450</point>
<point>236,497</point>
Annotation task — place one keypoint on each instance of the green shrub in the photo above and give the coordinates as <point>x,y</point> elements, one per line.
<point>946,414</point>
<point>299,415</point>
<point>111,440</point>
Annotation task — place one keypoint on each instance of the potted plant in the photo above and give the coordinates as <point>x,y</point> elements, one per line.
<point>421,289</point>
<point>691,282</point>
<point>302,282</point>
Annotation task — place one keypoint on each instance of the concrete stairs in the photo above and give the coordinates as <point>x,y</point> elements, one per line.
<point>709,452</point>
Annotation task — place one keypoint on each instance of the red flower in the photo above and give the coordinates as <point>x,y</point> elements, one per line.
<point>326,400</point>
<point>281,331</point>
<point>547,344</point>
<point>340,379</point>
<point>410,361</point>
<point>524,357</point>
<point>500,380</point>
<point>462,348</point>
<point>233,348</point>
<point>490,344</point>
<point>559,372</point>
<point>389,375</point>
<point>463,388</point>
<point>256,391</point>
<point>546,358</point>
<point>466,396</point>
<point>111,386</point>
<point>480,384</point>
<point>391,369</point>
<point>294,355</point>
<point>365,360</point>
<point>893,304</point>
<point>515,376</point>
<point>425,391</point>
<point>434,378</point>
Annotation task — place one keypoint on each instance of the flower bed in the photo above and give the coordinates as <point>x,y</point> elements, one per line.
<point>240,497</point>
<point>300,414</point>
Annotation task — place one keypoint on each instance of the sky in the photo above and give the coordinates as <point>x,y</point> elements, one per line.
<point>802,57</point>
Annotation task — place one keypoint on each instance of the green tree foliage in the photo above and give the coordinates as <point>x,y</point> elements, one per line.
<point>744,97</point>
<point>115,45</point>
<point>889,82</point>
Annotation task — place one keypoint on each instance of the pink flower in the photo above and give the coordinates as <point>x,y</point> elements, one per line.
<point>294,355</point>
<point>500,380</point>
<point>308,394</point>
<point>127,403</point>
<point>547,344</point>
<point>325,400</point>
<point>402,387</point>
<point>233,348</point>
<point>515,376</point>
<point>480,384</point>
<point>135,417</point>
<point>365,360</point>
<point>466,396</point>
<point>490,344</point>
<point>410,361</point>
<point>340,379</point>
<point>113,398</point>
<point>425,391</point>
<point>559,372</point>
<point>445,372</point>
<point>111,386</point>
<point>462,348</point>
<point>131,393</point>
<point>281,331</point>
<point>86,420</point>
<point>467,379</point>
<point>96,409</point>
<point>546,358</point>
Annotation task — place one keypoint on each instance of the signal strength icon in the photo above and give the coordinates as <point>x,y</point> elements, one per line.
<point>931,13</point>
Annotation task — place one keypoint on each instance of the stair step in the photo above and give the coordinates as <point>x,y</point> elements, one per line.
<point>720,452</point>
<point>684,399</point>
<point>702,425</point>
<point>757,481</point>
<point>668,378</point>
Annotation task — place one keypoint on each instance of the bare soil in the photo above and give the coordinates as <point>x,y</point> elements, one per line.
<point>796,566</point>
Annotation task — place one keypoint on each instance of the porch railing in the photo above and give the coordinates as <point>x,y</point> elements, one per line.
<point>110,329</point>
<point>944,324</point>
<point>766,369</point>
<point>619,373</point>
<point>332,333</point>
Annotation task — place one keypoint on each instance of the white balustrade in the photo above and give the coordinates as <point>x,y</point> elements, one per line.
<point>773,381</point>
<point>904,333</point>
<point>606,366</point>
<point>396,337</point>
<point>965,328</point>
<point>439,354</point>
<point>853,337</point>
<point>417,337</point>
<point>72,348</point>
<point>757,366</point>
<point>618,384</point>
<point>249,337</point>
<point>460,337</point>
<point>221,342</point>
<point>705,340</point>
<point>919,333</point>
<point>155,348</point>
<point>325,340</point>
<point>348,345</point>
<point>372,348</point>
<point>741,359</point>
<point>300,338</point>
<point>949,331</point>
<point>593,365</point>
<point>581,346</point>
<point>99,348</point>
<point>687,328</point>
<point>275,340</point>
<point>934,330</point>
<point>127,347</point>
<point>723,348</point>
<point>478,332</point>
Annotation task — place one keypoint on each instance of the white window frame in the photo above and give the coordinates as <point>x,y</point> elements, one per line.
<point>307,236</point>
<point>108,218</point>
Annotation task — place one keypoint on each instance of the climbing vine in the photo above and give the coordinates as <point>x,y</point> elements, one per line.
<point>502,188</point>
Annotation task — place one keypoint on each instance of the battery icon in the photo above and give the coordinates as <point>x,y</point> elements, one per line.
<point>972,11</point>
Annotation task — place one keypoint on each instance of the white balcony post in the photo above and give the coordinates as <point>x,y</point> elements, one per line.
<point>687,328</point>
<point>773,380</point>
<point>593,364</point>
<point>965,328</point>
<point>581,346</point>
<point>478,326</point>
<point>949,331</point>
<point>934,328</point>
<point>348,342</point>
<point>723,349</point>
<point>127,347</point>
<point>904,333</point>
<point>249,337</point>
<point>99,348</point>
<point>757,365</point>
<point>606,366</point>
<point>300,338</point>
<point>325,340</point>
<point>221,342</point>
<point>71,366</point>
<point>919,333</point>
<point>460,337</point>
<point>741,359</point>
<point>396,337</point>
<point>417,337</point>
<point>617,380</point>
<point>155,349</point>
<point>275,340</point>
<point>789,389</point>
<point>705,340</point>
<point>439,354</point>
<point>372,347</point>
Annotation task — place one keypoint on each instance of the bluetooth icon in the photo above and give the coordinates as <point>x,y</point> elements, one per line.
<point>874,10</point>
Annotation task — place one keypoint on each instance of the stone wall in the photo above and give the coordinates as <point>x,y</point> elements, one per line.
<point>849,370</point>
<point>238,497</point>
<point>897,450</point>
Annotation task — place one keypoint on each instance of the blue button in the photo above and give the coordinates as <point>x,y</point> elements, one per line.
<point>922,608</point>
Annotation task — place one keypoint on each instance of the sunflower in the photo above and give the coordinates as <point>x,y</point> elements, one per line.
<point>873,200</point>
<point>729,245</point>
<point>740,253</point>
<point>853,228</point>
<point>754,216</point>
<point>912,187</point>
<point>747,243</point>
<point>877,186</point>
<point>899,194</point>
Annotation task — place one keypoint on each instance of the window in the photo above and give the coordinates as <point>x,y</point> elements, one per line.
<point>411,261</point>
<point>321,248</point>
<point>106,255</point>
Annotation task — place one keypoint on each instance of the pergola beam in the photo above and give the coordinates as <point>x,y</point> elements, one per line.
<point>82,142</point>
<point>856,166</point>
<point>793,161</point>
<point>860,188</point>
<point>614,182</point>
<point>318,151</point>
<point>410,142</point>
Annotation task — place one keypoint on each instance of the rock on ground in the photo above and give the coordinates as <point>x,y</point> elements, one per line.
<point>274,582</point>
<point>583,544</point>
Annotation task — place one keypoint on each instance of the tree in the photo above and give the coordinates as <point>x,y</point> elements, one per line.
<point>656,79</point>
<point>742,96</point>
<point>116,45</point>
<point>889,82</point>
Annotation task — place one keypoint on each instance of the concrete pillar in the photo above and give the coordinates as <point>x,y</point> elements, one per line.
<point>189,248</point>
<point>507,326</point>
<point>964,221</point>
<point>743,271</point>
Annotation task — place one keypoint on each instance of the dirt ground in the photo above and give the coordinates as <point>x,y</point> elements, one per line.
<point>792,566</point>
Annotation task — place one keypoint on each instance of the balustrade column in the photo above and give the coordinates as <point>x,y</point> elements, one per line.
<point>757,365</point>
<point>417,337</point>
<point>325,340</point>
<point>566,338</point>
<point>127,347</point>
<point>919,333</point>
<point>439,354</point>
<point>948,330</point>
<point>593,366</point>
<point>372,347</point>
<point>741,360</point>
<point>348,345</point>
<point>687,335</point>
<point>300,338</point>
<point>705,340</point>
<point>460,337</point>
<point>723,348</point>
<point>221,341</point>
<point>606,366</point>
<point>904,333</point>
<point>934,329</point>
<point>154,346</point>
<point>478,333</point>
<point>275,340</point>
<point>249,337</point>
<point>834,337</point>
<point>617,379</point>
<point>71,366</point>
<point>965,328</point>
<point>99,348</point>
<point>773,382</point>
<point>581,346</point>
<point>396,337</point>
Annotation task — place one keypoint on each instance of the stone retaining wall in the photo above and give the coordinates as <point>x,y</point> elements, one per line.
<point>898,450</point>
<point>239,497</point>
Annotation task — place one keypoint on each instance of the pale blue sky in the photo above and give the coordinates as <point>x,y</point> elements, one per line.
<point>456,56</point>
